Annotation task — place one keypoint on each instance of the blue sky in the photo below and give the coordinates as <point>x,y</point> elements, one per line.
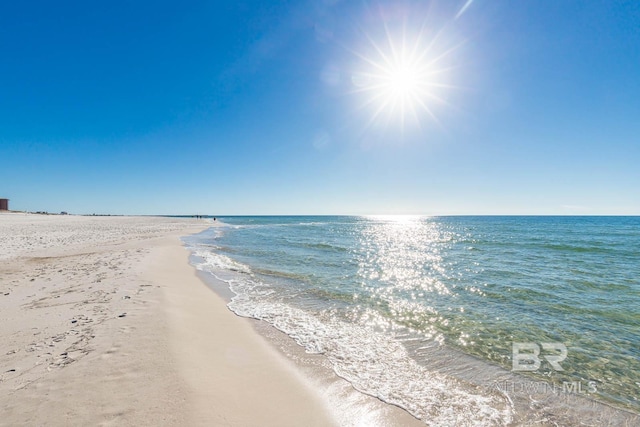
<point>255,107</point>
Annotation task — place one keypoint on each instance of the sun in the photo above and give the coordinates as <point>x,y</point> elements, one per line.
<point>403,76</point>
<point>400,80</point>
<point>402,85</point>
<point>404,80</point>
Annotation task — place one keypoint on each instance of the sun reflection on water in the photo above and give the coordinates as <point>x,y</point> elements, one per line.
<point>399,265</point>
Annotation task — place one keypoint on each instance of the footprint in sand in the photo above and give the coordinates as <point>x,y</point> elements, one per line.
<point>109,353</point>
<point>125,329</point>
<point>61,361</point>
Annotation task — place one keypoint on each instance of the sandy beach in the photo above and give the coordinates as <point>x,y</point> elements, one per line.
<point>104,322</point>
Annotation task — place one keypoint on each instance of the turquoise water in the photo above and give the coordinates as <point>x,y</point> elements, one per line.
<point>390,300</point>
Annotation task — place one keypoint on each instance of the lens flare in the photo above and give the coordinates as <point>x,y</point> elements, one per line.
<point>404,73</point>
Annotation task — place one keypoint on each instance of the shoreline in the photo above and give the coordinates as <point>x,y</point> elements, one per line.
<point>349,406</point>
<point>235,376</point>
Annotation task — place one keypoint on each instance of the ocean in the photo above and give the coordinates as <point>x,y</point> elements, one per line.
<point>487,320</point>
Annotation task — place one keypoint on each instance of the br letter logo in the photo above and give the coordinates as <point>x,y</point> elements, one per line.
<point>526,355</point>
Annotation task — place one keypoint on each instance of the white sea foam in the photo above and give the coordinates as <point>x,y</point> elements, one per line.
<point>212,261</point>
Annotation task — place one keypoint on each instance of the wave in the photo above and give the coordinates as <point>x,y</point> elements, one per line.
<point>376,364</point>
<point>211,260</point>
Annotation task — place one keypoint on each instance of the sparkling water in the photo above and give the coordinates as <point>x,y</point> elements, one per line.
<point>423,312</point>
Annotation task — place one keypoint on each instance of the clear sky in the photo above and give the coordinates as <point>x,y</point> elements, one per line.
<point>321,107</point>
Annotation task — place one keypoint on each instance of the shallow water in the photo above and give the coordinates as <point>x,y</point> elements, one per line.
<point>423,312</point>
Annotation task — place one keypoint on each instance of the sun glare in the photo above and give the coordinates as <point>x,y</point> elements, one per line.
<point>404,74</point>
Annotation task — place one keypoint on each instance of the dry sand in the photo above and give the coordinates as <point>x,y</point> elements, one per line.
<point>104,322</point>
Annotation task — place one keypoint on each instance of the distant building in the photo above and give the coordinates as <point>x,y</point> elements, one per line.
<point>4,204</point>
